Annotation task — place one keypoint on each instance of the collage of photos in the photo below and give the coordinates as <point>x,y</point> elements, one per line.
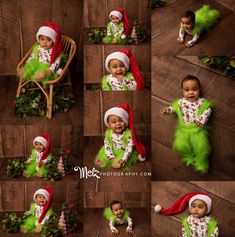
<point>117,118</point>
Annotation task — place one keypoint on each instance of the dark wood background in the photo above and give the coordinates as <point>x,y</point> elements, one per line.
<point>166,79</point>
<point>97,103</point>
<point>223,205</point>
<point>21,20</point>
<point>17,196</point>
<point>96,13</point>
<point>165,27</point>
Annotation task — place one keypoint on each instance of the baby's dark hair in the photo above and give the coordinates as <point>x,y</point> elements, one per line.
<point>191,78</point>
<point>114,202</point>
<point>189,14</point>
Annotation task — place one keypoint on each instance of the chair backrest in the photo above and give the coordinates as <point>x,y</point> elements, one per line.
<point>69,46</point>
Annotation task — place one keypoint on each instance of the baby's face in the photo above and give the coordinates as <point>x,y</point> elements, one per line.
<point>191,90</point>
<point>45,42</point>
<point>198,208</point>
<point>40,200</point>
<point>115,20</point>
<point>39,147</point>
<point>187,23</point>
<point>117,68</point>
<point>116,124</point>
<point>117,210</point>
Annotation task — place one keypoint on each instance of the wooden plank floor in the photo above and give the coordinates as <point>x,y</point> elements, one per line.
<point>96,225</point>
<point>166,79</point>
<point>223,205</point>
<point>111,179</point>
<point>165,27</point>
<point>65,129</point>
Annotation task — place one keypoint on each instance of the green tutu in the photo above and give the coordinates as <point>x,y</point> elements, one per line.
<point>107,163</point>
<point>108,214</point>
<point>205,18</point>
<point>33,67</point>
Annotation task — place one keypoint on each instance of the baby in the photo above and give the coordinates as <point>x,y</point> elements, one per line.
<point>191,137</point>
<point>195,23</point>
<point>116,215</point>
<point>124,73</point>
<point>117,28</point>
<point>198,223</point>
<point>40,156</point>
<point>121,146</point>
<point>45,59</point>
<point>39,212</point>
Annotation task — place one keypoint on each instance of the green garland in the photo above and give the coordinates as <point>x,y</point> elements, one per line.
<point>225,63</point>
<point>11,222</point>
<point>33,102</point>
<point>15,168</point>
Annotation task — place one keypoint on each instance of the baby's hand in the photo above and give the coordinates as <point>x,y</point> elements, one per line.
<point>164,111</point>
<point>40,175</point>
<point>180,40</point>
<point>27,162</point>
<point>114,231</point>
<point>200,125</point>
<point>27,213</point>
<point>116,165</point>
<point>129,230</point>
<point>188,45</point>
<point>120,77</point>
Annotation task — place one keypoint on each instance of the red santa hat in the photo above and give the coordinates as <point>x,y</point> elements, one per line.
<point>121,15</point>
<point>127,58</point>
<point>46,191</point>
<point>44,139</point>
<point>51,30</point>
<point>126,114</point>
<point>181,203</point>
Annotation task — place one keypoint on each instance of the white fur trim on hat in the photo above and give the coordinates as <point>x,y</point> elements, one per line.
<point>119,56</point>
<point>40,139</point>
<point>47,31</point>
<point>203,198</point>
<point>43,192</point>
<point>117,112</point>
<point>115,13</point>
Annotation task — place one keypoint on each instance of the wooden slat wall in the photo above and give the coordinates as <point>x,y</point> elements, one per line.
<point>223,205</point>
<point>96,14</point>
<point>21,20</point>
<point>96,104</point>
<point>18,195</point>
<point>166,79</point>
<point>128,199</point>
<point>94,67</point>
<point>17,140</point>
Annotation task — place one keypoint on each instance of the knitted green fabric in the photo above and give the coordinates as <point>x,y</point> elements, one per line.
<point>108,214</point>
<point>205,18</point>
<point>117,153</point>
<point>210,227</point>
<point>191,142</point>
<point>105,85</point>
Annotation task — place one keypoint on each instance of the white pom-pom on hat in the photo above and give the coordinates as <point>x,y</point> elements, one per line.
<point>157,208</point>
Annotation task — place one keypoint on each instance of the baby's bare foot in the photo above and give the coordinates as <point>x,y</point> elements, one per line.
<point>40,75</point>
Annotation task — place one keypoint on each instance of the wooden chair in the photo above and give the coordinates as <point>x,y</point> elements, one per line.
<point>69,48</point>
